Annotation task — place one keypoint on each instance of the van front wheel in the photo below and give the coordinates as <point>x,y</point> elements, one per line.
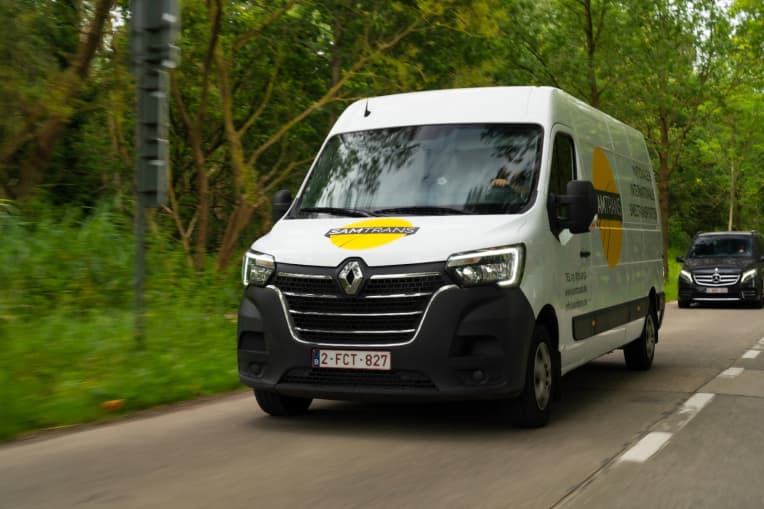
<point>531,408</point>
<point>639,353</point>
<point>279,405</point>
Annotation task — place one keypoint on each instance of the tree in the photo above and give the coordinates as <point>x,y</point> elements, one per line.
<point>42,109</point>
<point>277,74</point>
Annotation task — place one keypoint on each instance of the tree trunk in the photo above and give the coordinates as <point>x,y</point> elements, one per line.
<point>732,196</point>
<point>36,150</point>
<point>664,172</point>
<point>238,220</point>
<point>591,51</point>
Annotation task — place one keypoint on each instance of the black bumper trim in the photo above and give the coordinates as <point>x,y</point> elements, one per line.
<point>473,344</point>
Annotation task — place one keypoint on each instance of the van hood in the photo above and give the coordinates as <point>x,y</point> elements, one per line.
<point>382,241</point>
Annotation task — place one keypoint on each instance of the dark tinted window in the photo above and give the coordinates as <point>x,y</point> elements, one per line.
<point>721,246</point>
<point>563,164</point>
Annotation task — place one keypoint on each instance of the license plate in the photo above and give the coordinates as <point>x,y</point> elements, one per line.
<point>717,290</point>
<point>351,359</point>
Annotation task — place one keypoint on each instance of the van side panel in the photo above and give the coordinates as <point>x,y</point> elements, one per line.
<point>626,253</point>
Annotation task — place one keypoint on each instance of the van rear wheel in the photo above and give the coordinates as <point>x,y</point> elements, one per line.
<point>280,405</point>
<point>639,353</point>
<point>531,408</point>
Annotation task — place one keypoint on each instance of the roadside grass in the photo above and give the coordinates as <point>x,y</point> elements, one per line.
<point>671,285</point>
<point>61,369</point>
<point>67,351</point>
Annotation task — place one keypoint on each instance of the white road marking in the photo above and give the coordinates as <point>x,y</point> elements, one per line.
<point>696,403</point>
<point>731,372</point>
<point>751,354</point>
<point>655,440</point>
<point>649,445</point>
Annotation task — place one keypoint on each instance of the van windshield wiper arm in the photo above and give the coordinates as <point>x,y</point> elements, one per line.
<point>420,211</point>
<point>339,211</point>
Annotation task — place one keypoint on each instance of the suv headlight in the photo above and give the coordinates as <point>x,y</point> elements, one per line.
<point>256,268</point>
<point>502,266</point>
<point>686,275</point>
<point>749,274</point>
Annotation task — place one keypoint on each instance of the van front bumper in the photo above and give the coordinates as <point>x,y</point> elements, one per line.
<point>472,344</point>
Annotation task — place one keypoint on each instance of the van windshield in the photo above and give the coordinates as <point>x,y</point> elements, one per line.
<point>425,170</point>
<point>726,246</point>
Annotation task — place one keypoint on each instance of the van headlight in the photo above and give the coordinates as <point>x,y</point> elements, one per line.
<point>686,275</point>
<point>256,268</point>
<point>749,274</point>
<point>502,266</point>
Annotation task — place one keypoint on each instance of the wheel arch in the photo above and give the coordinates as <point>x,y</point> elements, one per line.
<point>548,318</point>
<point>657,308</point>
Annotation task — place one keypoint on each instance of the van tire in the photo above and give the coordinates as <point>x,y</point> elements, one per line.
<point>531,408</point>
<point>683,303</point>
<point>639,353</point>
<point>280,405</point>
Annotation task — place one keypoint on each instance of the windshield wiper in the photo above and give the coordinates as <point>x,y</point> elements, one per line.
<point>420,211</point>
<point>338,211</point>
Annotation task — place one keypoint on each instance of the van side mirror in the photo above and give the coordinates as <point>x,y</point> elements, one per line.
<point>282,200</point>
<point>575,209</point>
<point>680,259</point>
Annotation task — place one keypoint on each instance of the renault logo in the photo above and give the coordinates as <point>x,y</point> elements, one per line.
<point>351,277</point>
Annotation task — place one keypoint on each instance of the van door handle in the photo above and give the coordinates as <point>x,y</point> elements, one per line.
<point>585,254</point>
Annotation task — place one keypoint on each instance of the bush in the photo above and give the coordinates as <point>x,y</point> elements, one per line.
<point>67,351</point>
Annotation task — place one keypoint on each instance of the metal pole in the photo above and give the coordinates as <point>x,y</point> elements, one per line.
<point>139,220</point>
<point>139,328</point>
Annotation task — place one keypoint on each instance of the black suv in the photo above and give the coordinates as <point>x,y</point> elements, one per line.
<point>723,267</point>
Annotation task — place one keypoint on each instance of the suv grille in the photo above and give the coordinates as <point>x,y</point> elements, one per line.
<point>388,308</point>
<point>716,279</point>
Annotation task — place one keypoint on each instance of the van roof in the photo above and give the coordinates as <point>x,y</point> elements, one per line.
<point>490,105</point>
<point>465,105</point>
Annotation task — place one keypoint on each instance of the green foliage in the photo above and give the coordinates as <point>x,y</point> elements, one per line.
<point>66,321</point>
<point>672,282</point>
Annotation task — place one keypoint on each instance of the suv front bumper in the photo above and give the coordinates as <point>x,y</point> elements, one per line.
<point>749,292</point>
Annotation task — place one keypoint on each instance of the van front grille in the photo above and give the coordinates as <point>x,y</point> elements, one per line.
<point>388,308</point>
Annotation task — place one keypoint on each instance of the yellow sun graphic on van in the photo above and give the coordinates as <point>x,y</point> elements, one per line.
<point>370,233</point>
<point>609,209</point>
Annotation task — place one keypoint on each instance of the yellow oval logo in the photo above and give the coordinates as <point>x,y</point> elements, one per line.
<point>609,209</point>
<point>370,233</point>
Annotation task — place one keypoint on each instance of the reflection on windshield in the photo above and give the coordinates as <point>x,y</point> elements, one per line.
<point>721,246</point>
<point>476,168</point>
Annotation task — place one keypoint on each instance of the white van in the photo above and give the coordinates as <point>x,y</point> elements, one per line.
<point>456,244</point>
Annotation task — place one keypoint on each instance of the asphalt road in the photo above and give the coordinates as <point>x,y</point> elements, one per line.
<point>688,433</point>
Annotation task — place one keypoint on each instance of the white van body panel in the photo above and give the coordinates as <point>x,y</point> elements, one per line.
<point>587,280</point>
<point>436,239</point>
<point>461,106</point>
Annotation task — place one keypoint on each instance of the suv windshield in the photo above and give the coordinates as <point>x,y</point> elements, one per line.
<point>426,170</point>
<point>725,246</point>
